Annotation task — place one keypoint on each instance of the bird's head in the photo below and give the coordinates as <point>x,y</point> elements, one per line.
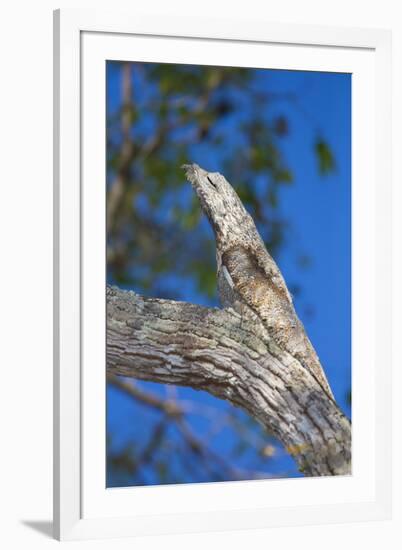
<point>220,203</point>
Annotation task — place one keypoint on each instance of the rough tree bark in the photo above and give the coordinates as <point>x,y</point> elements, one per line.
<point>230,355</point>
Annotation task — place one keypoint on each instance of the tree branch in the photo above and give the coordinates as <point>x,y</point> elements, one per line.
<point>219,351</point>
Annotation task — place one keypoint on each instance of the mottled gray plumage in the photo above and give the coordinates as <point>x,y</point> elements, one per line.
<point>249,280</point>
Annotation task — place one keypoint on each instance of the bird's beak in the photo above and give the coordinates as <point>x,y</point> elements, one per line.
<point>197,176</point>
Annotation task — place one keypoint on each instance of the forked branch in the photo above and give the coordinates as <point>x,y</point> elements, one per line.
<point>217,351</point>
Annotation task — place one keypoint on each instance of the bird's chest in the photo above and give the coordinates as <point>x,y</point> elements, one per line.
<point>227,293</point>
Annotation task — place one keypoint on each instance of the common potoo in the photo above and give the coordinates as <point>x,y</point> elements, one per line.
<point>248,278</point>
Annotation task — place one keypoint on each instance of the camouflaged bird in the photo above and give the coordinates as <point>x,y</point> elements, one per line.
<point>248,277</point>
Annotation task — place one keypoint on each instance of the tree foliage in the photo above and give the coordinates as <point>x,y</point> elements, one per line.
<point>171,114</point>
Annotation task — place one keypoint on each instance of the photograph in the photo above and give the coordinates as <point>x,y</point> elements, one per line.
<point>228,274</point>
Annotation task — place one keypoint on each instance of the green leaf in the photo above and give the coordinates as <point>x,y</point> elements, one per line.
<point>283,175</point>
<point>326,160</point>
<point>272,197</point>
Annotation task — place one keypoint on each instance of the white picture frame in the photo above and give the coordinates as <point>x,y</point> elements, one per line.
<point>83,507</point>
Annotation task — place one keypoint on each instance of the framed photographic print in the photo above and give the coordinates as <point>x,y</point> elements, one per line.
<point>222,275</point>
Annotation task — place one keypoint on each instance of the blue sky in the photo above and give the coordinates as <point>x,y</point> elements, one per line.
<point>319,213</point>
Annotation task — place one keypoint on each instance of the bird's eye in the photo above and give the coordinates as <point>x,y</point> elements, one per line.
<point>211,182</point>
